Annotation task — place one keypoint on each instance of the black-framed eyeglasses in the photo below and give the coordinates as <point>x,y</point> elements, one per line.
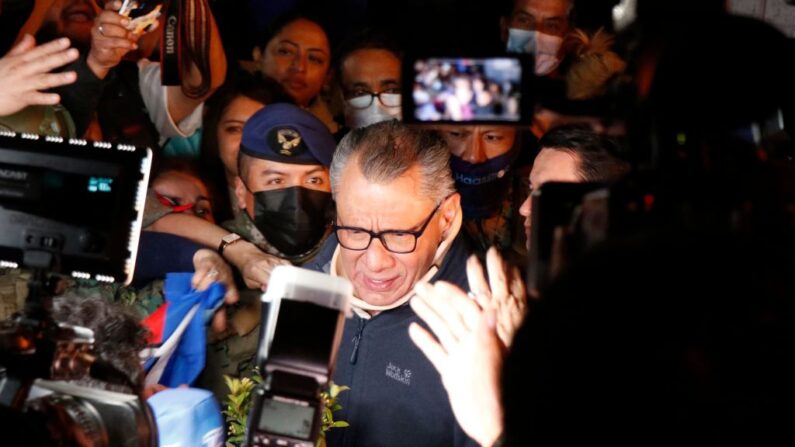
<point>362,100</point>
<point>396,241</point>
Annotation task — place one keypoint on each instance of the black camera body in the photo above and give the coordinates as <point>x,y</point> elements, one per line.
<point>103,418</point>
<point>80,202</point>
<point>303,316</point>
<point>286,410</point>
<point>73,207</point>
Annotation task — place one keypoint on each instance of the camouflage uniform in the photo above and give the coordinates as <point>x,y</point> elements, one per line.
<point>143,300</point>
<point>14,291</point>
<point>41,120</point>
<point>281,133</point>
<point>232,352</point>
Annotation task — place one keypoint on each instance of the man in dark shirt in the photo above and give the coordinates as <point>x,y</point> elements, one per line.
<point>398,223</point>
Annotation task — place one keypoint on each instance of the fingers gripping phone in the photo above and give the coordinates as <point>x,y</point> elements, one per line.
<point>142,13</point>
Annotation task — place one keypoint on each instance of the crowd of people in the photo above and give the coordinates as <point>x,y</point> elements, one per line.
<point>672,325</point>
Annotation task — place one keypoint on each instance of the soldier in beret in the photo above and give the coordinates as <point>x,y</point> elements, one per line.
<point>284,192</point>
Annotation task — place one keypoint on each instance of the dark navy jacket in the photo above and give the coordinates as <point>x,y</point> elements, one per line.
<point>396,396</point>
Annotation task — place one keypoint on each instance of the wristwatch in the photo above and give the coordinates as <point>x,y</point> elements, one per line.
<point>227,240</point>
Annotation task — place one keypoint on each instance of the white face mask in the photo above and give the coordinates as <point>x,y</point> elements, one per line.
<point>376,112</point>
<point>544,47</point>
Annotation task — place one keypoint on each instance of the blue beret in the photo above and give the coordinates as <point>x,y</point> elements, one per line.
<point>287,134</point>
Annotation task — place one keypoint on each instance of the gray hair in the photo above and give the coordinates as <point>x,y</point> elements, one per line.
<point>385,151</point>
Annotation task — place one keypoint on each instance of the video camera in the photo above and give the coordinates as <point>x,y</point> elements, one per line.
<point>303,317</point>
<point>73,207</point>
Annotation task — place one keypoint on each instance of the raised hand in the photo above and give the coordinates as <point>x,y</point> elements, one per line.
<point>210,267</point>
<point>504,292</point>
<point>466,352</point>
<point>112,37</point>
<point>25,73</point>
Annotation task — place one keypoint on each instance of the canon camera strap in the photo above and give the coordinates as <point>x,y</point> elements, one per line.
<point>186,41</point>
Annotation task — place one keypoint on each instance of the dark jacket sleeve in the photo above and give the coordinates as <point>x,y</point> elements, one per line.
<point>82,97</point>
<point>161,253</point>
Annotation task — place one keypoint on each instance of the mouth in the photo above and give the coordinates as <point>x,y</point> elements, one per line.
<point>379,285</point>
<point>79,13</point>
<point>295,84</point>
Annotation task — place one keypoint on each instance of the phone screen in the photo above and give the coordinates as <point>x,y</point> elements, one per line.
<point>287,417</point>
<point>467,90</point>
<point>295,342</point>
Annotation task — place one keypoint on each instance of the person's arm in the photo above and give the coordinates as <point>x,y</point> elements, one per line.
<point>35,19</point>
<point>82,97</point>
<point>209,267</point>
<point>173,113</point>
<point>111,39</point>
<point>180,105</point>
<point>25,73</point>
<point>92,69</point>
<point>162,253</point>
<point>504,291</point>
<point>254,265</point>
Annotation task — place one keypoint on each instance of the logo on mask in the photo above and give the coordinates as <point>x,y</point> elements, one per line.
<point>286,142</point>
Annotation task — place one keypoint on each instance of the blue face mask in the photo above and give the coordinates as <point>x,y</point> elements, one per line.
<point>543,47</point>
<point>483,186</point>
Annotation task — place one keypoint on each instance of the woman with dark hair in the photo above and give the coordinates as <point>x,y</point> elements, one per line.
<point>297,54</point>
<point>180,187</point>
<point>226,112</point>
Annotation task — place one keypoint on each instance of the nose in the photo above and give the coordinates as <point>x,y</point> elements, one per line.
<point>527,208</point>
<point>476,154</point>
<point>298,63</point>
<point>377,258</point>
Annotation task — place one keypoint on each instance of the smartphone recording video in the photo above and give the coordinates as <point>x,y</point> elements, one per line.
<point>468,90</point>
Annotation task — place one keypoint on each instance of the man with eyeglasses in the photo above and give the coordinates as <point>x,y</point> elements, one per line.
<point>368,74</point>
<point>398,223</point>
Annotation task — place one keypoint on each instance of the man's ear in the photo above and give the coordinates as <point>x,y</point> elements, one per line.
<point>240,192</point>
<point>256,54</point>
<point>450,209</point>
<point>504,25</point>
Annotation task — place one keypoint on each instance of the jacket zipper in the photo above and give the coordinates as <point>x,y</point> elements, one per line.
<point>356,340</point>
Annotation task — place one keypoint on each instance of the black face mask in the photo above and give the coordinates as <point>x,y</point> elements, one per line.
<point>483,186</point>
<point>294,219</point>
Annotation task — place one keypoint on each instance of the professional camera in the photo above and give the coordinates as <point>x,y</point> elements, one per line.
<point>303,317</point>
<point>78,415</point>
<point>73,207</point>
